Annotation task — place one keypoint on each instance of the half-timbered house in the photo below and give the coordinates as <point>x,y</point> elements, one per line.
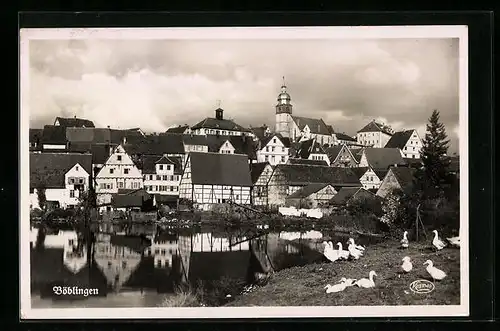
<point>260,172</point>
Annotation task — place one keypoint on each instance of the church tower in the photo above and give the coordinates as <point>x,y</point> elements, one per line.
<point>283,113</point>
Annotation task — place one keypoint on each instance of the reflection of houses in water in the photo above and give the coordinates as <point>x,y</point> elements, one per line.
<point>33,236</point>
<point>61,239</point>
<point>163,248</point>
<point>118,258</point>
<point>300,235</point>
<point>207,242</point>
<point>74,255</point>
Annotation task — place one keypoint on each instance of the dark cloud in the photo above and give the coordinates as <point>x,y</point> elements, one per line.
<point>158,83</point>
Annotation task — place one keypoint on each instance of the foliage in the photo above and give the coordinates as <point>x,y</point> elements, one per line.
<point>365,206</point>
<point>42,198</point>
<point>182,297</point>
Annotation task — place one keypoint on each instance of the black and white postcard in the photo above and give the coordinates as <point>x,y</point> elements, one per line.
<point>244,172</point>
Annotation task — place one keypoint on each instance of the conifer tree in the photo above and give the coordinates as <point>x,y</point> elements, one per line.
<point>434,155</point>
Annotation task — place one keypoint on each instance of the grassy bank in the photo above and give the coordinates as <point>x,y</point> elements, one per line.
<point>304,286</point>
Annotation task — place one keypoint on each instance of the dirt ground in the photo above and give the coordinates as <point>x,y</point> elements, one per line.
<point>304,286</point>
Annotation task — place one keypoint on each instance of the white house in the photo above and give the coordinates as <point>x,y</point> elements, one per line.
<point>408,142</point>
<point>273,149</point>
<point>297,127</point>
<point>343,139</point>
<point>214,178</point>
<point>163,249</point>
<point>219,126</point>
<point>312,150</point>
<point>63,177</point>
<point>369,178</point>
<point>161,174</point>
<point>207,242</point>
<point>119,172</point>
<point>397,178</point>
<point>374,135</point>
<point>341,156</point>
<point>195,143</point>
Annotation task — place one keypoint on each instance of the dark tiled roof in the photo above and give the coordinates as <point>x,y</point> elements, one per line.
<point>330,129</point>
<point>165,198</point>
<point>381,173</point>
<point>304,174</point>
<point>360,171</point>
<point>178,129</point>
<point>148,162</point>
<point>118,135</point>
<point>220,169</point>
<point>100,152</point>
<point>264,141</point>
<point>309,147</point>
<point>307,191</point>
<point>74,122</point>
<point>307,162</point>
<point>48,169</point>
<point>333,152</point>
<point>357,153</point>
<point>155,145</point>
<point>347,193</point>
<point>256,170</point>
<point>383,158</point>
<point>193,139</point>
<point>259,132</point>
<point>376,127</point>
<point>413,163</point>
<point>404,176</point>
<point>317,126</point>
<point>399,139</point>
<point>35,135</point>
<point>130,198</point>
<point>343,136</point>
<point>216,124</point>
<point>54,135</point>
<point>91,135</point>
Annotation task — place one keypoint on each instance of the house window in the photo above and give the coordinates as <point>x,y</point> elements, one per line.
<point>274,141</point>
<point>161,166</point>
<point>282,159</point>
<point>125,171</point>
<point>171,188</point>
<point>165,177</point>
<point>71,181</point>
<point>168,167</point>
<point>413,156</point>
<point>267,149</point>
<point>282,149</point>
<point>272,149</point>
<point>158,264</point>
<point>273,158</point>
<point>119,157</point>
<point>111,171</point>
<point>158,177</point>
<point>171,178</point>
<point>145,177</point>
<point>413,148</point>
<point>156,187</point>
<point>80,181</point>
<point>120,184</point>
<point>150,177</point>
<point>267,157</point>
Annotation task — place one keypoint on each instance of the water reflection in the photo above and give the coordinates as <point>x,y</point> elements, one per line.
<point>149,262</point>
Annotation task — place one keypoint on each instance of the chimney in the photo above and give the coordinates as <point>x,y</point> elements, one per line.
<point>219,114</point>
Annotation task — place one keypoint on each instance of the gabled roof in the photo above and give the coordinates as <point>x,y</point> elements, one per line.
<point>48,169</point>
<point>360,171</point>
<point>404,175</point>
<point>90,135</point>
<point>317,126</point>
<point>376,127</point>
<point>330,129</point>
<point>347,193</point>
<point>381,173</point>
<point>264,141</point>
<point>54,135</point>
<point>131,135</point>
<point>307,190</point>
<point>220,169</point>
<point>383,158</point>
<point>343,136</point>
<point>155,145</point>
<point>242,144</point>
<point>74,122</point>
<point>148,163</point>
<point>334,151</point>
<point>178,129</point>
<point>193,139</point>
<point>309,147</point>
<point>259,132</point>
<point>35,135</point>
<point>100,152</point>
<point>357,153</point>
<point>256,170</point>
<point>399,139</point>
<point>298,174</point>
<point>216,124</point>
<point>307,162</point>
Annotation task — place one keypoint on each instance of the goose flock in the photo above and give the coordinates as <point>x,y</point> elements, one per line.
<point>355,252</point>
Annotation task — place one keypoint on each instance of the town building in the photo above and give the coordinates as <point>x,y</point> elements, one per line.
<point>214,178</point>
<point>74,122</point>
<point>163,249</point>
<point>307,162</point>
<point>181,129</point>
<point>381,158</point>
<point>312,150</point>
<point>128,200</point>
<point>311,196</point>
<point>341,156</point>
<point>241,145</point>
<point>53,139</point>
<point>343,139</point>
<point>289,178</point>
<point>260,173</point>
<point>348,195</point>
<point>396,179</point>
<point>408,142</point>
<point>62,176</point>
<point>219,126</point>
<point>195,143</point>
<point>374,134</point>
<point>260,132</point>
<point>273,149</point>
<point>161,174</point>
<point>35,138</point>
<point>370,178</point>
<point>296,127</point>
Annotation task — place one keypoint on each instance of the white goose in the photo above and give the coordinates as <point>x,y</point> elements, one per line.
<point>355,253</point>
<point>435,273</point>
<point>342,253</point>
<point>436,242</point>
<point>367,283</point>
<point>358,247</point>
<point>407,265</point>
<point>404,241</point>
<point>335,288</point>
<point>329,253</point>
<point>454,241</point>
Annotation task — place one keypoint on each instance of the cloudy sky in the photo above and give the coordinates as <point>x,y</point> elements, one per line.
<point>154,84</point>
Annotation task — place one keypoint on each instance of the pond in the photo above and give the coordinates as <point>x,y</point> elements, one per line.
<point>141,266</point>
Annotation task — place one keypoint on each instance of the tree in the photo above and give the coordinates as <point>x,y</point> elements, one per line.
<point>434,176</point>
<point>42,198</point>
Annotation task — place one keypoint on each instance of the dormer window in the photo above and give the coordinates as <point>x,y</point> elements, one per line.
<point>76,168</point>
<point>274,141</point>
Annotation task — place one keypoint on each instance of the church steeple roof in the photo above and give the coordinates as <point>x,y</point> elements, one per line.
<point>284,98</point>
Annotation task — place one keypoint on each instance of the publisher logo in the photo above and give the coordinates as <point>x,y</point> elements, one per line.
<point>422,286</point>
